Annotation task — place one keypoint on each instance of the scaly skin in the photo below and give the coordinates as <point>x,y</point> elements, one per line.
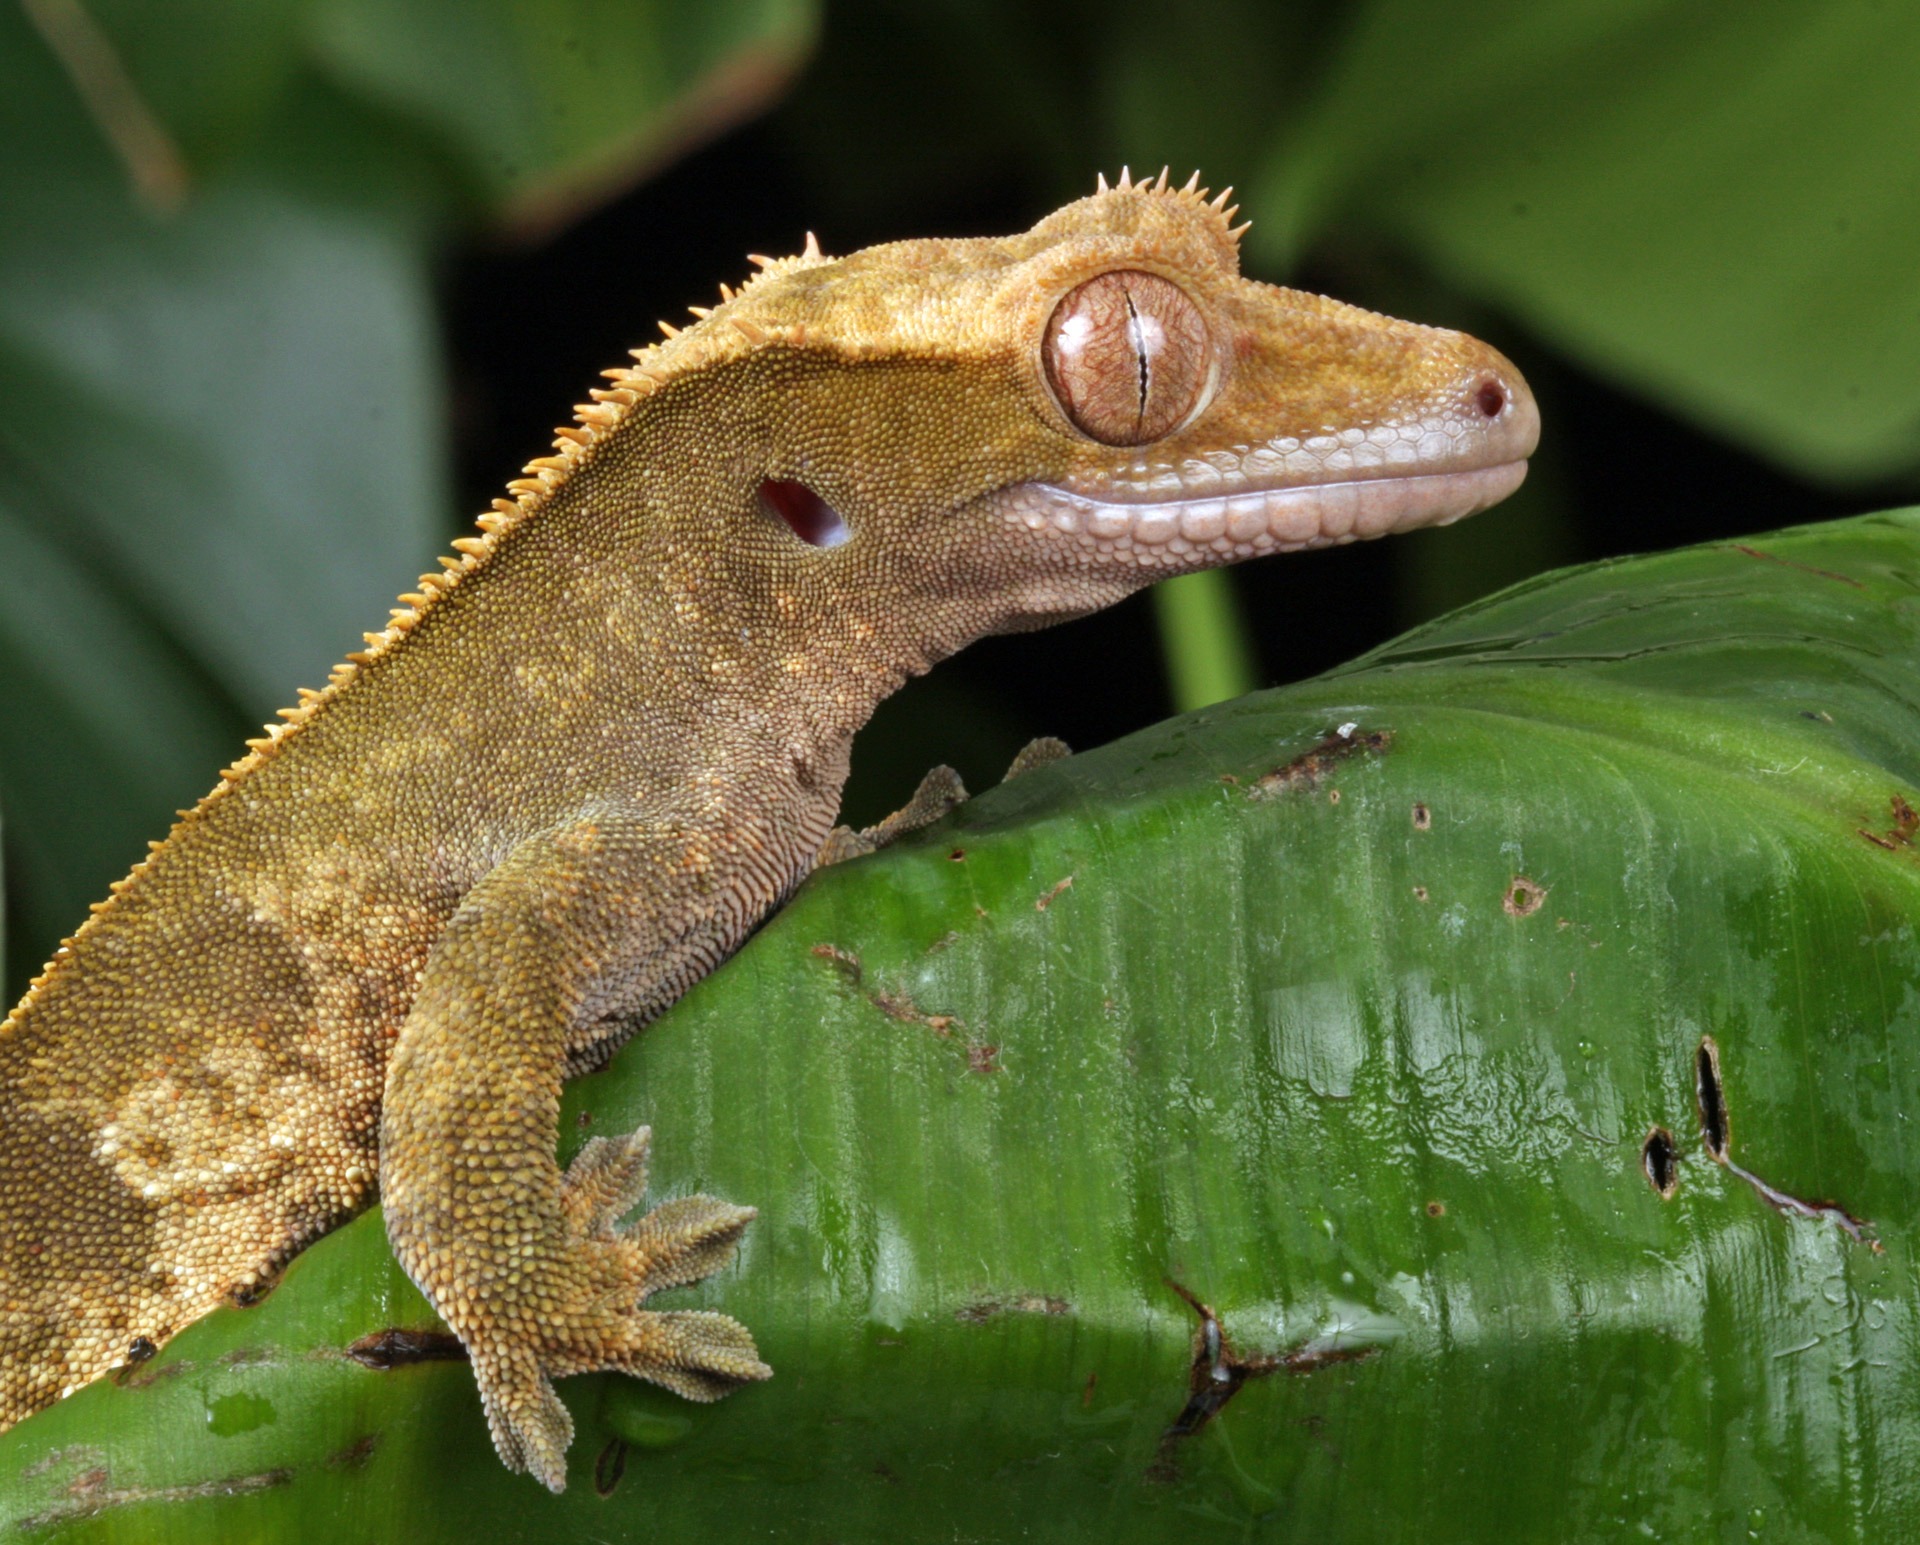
<point>583,762</point>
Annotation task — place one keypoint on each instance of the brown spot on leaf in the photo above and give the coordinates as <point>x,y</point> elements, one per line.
<point>1436,1209</point>
<point>355,1454</point>
<point>1906,821</point>
<point>397,1348</point>
<point>1716,1133</point>
<point>979,1312</point>
<point>92,1495</point>
<point>608,1466</point>
<point>844,961</point>
<point>1307,769</point>
<point>1661,1162</point>
<point>1710,1099</point>
<point>1422,818</point>
<point>54,1459</point>
<point>900,1007</point>
<point>897,1005</point>
<point>1053,895</point>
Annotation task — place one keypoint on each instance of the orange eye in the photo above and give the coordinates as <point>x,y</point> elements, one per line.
<point>1127,357</point>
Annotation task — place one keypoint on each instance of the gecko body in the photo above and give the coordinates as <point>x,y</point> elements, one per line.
<point>587,756</point>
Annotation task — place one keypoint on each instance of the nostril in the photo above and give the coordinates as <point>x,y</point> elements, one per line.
<point>1490,397</point>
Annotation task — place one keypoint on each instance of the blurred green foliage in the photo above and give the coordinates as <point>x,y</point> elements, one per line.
<point>223,402</point>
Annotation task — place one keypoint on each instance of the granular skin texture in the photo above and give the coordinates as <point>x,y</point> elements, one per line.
<point>586,758</point>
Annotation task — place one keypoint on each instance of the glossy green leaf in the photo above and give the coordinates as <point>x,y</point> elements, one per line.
<point>1347,1008</point>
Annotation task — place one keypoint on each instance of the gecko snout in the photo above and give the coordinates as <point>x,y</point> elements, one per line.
<point>1498,409</point>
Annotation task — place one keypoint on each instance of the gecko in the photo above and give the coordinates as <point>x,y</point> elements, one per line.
<point>595,748</point>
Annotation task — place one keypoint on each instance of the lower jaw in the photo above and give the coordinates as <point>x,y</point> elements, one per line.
<point>1189,532</point>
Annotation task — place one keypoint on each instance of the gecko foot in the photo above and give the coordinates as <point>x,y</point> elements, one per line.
<point>940,793</point>
<point>582,1315</point>
<point>1042,751</point>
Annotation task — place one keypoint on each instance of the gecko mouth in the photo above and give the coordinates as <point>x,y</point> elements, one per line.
<point>1245,524</point>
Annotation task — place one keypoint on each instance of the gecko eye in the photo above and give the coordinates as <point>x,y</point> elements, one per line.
<point>1127,356</point>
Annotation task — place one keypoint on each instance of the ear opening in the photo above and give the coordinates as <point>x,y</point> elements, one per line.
<point>804,512</point>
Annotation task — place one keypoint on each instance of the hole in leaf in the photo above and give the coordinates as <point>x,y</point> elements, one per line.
<point>1661,1161</point>
<point>609,1467</point>
<point>1524,897</point>
<point>804,512</point>
<point>1713,1105</point>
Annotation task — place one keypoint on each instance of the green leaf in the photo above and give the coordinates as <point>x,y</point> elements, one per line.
<point>1346,1007</point>
<point>1714,205</point>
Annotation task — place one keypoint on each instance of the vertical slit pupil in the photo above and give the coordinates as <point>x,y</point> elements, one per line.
<point>1138,335</point>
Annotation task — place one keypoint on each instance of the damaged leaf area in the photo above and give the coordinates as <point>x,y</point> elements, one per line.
<point>1534,1091</point>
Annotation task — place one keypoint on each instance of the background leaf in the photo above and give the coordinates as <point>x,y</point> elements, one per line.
<point>551,104</point>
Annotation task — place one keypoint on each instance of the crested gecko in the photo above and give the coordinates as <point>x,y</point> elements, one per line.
<point>586,757</point>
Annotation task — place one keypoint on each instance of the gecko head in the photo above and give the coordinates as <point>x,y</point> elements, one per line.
<point>1206,418</point>
<point>1032,427</point>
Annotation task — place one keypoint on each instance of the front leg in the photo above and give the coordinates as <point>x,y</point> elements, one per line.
<point>533,1269</point>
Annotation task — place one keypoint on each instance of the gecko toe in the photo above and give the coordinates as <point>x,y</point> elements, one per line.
<point>531,1428</point>
<point>686,1239</point>
<point>693,1352</point>
<point>606,1181</point>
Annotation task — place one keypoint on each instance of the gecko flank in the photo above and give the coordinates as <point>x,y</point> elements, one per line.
<point>585,759</point>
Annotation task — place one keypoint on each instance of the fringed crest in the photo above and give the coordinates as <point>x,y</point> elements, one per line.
<point>1218,205</point>
<point>607,407</point>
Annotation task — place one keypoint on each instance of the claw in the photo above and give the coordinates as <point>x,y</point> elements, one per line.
<point>707,1355</point>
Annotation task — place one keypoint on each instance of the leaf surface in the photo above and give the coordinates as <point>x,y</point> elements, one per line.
<point>1348,1008</point>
